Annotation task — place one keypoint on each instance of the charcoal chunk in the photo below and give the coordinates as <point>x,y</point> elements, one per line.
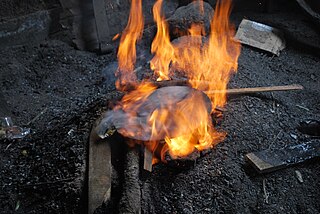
<point>185,16</point>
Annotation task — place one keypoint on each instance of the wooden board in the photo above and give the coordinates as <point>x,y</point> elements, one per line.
<point>270,160</point>
<point>102,24</point>
<point>147,160</point>
<point>99,172</point>
<point>261,36</point>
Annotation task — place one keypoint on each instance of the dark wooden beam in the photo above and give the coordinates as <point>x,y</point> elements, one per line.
<point>102,24</point>
<point>270,160</point>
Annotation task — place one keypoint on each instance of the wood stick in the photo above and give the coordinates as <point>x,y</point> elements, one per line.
<point>130,86</point>
<point>204,84</point>
<point>237,91</point>
<point>147,160</point>
<point>36,117</point>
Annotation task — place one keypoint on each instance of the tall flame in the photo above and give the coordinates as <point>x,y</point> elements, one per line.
<point>211,60</point>
<point>222,53</point>
<point>161,45</point>
<point>127,47</point>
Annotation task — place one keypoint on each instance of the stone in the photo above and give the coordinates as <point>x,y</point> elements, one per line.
<point>185,16</point>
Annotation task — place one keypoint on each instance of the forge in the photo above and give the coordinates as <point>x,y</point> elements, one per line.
<point>178,115</point>
<point>166,106</point>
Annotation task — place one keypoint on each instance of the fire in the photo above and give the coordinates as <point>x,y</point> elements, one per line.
<point>116,37</point>
<point>127,47</point>
<point>161,45</point>
<point>213,59</point>
<point>200,59</point>
<point>196,131</point>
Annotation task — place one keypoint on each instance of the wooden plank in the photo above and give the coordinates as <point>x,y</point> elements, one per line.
<point>270,160</point>
<point>261,36</point>
<point>99,182</point>
<point>147,160</point>
<point>102,24</point>
<point>257,89</point>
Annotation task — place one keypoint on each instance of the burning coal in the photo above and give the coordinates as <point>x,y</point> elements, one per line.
<point>182,121</point>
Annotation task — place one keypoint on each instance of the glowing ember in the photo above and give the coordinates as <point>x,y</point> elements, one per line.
<point>198,58</point>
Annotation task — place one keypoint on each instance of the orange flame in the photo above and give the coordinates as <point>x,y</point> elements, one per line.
<point>161,45</point>
<point>196,131</point>
<point>223,52</point>
<point>197,30</point>
<point>127,47</point>
<point>200,59</point>
<point>116,37</point>
<point>213,60</point>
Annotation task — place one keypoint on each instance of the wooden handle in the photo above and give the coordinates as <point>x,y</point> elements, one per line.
<point>257,89</point>
<point>204,84</point>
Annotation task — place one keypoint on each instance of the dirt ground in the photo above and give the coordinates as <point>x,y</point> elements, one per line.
<point>59,92</point>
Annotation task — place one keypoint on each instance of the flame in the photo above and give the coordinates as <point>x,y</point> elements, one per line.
<point>202,60</point>
<point>222,53</point>
<point>116,37</point>
<point>196,131</point>
<point>161,45</point>
<point>127,47</point>
<point>197,30</point>
<point>213,60</point>
<point>130,103</point>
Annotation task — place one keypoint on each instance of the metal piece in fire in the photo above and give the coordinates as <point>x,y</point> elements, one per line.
<point>137,127</point>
